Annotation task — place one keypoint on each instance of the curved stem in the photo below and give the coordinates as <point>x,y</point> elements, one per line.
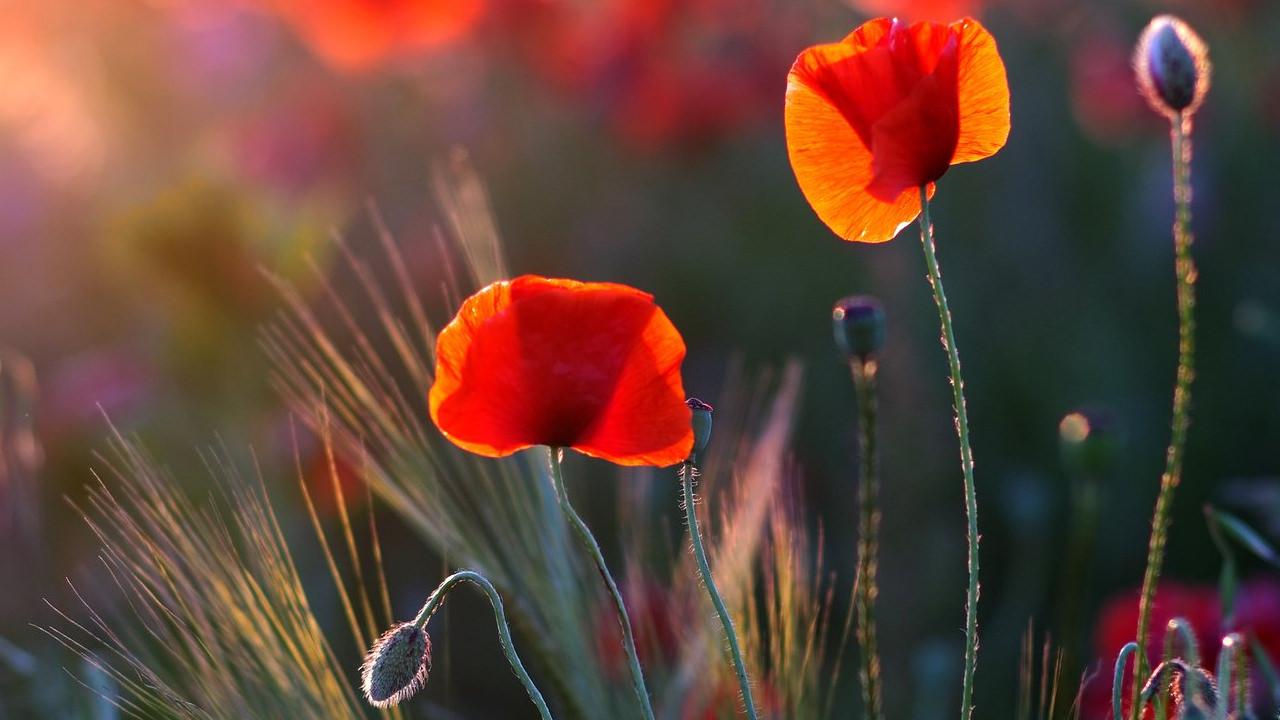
<point>966,456</point>
<point>1186,272</point>
<point>687,473</point>
<point>500,618</point>
<point>864,383</point>
<point>1117,682</point>
<point>588,543</point>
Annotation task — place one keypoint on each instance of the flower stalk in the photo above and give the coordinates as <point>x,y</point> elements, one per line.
<point>688,472</point>
<point>966,455</point>
<point>588,543</point>
<point>1185,268</point>
<point>401,658</point>
<point>864,382</point>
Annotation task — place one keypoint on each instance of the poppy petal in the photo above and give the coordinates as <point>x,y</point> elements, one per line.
<point>493,432</point>
<point>833,168</point>
<point>983,94</point>
<point>916,140</point>
<point>536,361</point>
<point>647,421</point>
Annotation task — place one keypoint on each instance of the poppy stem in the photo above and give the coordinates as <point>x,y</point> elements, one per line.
<point>688,471</point>
<point>966,455</point>
<point>436,599</point>
<point>864,383</point>
<point>588,542</point>
<point>1185,267</point>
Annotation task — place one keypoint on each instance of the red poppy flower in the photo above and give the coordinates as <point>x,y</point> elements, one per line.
<point>920,9</point>
<point>355,34</point>
<point>590,366</point>
<point>1257,614</point>
<point>874,117</point>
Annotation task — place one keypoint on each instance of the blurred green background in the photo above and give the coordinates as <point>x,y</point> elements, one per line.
<point>154,155</point>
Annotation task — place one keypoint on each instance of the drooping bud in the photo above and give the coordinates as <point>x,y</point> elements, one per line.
<point>1172,63</point>
<point>1196,696</point>
<point>701,425</point>
<point>858,321</point>
<point>1090,441</point>
<point>397,665</point>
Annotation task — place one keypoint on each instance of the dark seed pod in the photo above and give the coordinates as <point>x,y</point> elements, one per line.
<point>1172,63</point>
<point>701,425</point>
<point>1090,441</point>
<point>858,322</point>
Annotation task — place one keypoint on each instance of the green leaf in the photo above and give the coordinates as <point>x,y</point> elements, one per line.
<point>1228,579</point>
<point>1237,530</point>
<point>1268,668</point>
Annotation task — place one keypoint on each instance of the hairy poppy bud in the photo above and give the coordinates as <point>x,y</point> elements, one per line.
<point>701,425</point>
<point>858,321</point>
<point>397,665</point>
<point>1090,441</point>
<point>1173,66</point>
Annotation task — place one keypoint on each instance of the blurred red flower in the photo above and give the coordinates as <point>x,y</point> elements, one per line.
<point>659,73</point>
<point>887,110</point>
<point>1257,612</point>
<point>725,700</point>
<point>303,141</point>
<point>357,34</point>
<point>657,619</point>
<point>1104,100</point>
<point>937,10</point>
<point>319,473</point>
<point>590,366</point>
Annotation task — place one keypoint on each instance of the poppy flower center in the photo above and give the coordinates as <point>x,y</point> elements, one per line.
<point>900,95</point>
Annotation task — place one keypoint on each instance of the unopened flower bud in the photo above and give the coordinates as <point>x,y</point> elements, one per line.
<point>1090,441</point>
<point>858,321</point>
<point>397,665</point>
<point>1173,66</point>
<point>701,425</point>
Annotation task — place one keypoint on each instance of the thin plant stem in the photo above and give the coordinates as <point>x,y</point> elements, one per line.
<point>1186,272</point>
<point>1242,680</point>
<point>1226,660</point>
<point>866,590</point>
<point>687,474</point>
<point>1117,682</point>
<point>500,618</point>
<point>588,543</point>
<point>966,456</point>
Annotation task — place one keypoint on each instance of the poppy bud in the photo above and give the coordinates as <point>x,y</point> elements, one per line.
<point>1173,66</point>
<point>397,665</point>
<point>858,321</point>
<point>701,425</point>
<point>1090,440</point>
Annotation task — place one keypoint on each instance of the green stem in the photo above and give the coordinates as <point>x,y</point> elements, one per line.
<point>687,474</point>
<point>1118,679</point>
<point>588,543</point>
<point>1186,272</point>
<point>500,618</point>
<point>1242,681</point>
<point>864,383</point>
<point>966,456</point>
<point>1226,660</point>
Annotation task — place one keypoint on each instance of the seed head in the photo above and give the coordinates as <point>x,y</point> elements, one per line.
<point>396,666</point>
<point>1090,441</point>
<point>858,321</point>
<point>1172,63</point>
<point>701,425</point>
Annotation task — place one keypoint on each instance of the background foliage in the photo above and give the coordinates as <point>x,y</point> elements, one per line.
<point>155,155</point>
